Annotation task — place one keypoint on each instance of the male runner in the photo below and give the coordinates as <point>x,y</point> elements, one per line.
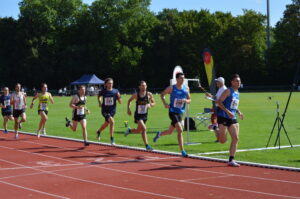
<point>78,103</point>
<point>144,100</point>
<point>6,108</point>
<point>180,95</point>
<point>228,104</point>
<point>107,101</point>
<point>18,100</point>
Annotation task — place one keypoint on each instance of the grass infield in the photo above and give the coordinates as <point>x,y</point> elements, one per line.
<point>259,110</point>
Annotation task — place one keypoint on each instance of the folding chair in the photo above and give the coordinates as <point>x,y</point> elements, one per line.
<point>204,117</point>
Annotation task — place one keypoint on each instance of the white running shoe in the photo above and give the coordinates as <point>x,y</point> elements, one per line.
<point>17,135</point>
<point>38,134</point>
<point>233,164</point>
<point>44,132</point>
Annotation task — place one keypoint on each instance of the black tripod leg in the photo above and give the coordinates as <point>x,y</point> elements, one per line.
<point>286,134</point>
<point>272,132</point>
<point>278,132</point>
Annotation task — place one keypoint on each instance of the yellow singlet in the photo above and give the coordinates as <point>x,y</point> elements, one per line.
<point>43,101</point>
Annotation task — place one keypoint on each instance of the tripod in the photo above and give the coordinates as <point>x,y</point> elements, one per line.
<point>280,125</point>
<point>281,120</point>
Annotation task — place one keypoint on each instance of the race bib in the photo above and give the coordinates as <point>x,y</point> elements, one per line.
<point>234,104</point>
<point>43,106</point>
<point>108,101</point>
<point>142,109</point>
<point>6,102</point>
<point>80,111</point>
<point>178,103</point>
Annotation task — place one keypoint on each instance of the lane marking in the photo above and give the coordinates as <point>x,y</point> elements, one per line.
<point>246,150</point>
<point>169,179</point>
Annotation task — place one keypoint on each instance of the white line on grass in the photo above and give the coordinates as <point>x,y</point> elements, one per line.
<point>245,150</point>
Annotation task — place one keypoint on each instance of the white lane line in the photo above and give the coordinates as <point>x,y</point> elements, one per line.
<point>33,190</point>
<point>213,177</point>
<point>88,181</point>
<point>160,164</point>
<point>26,167</point>
<point>245,150</point>
<point>170,179</point>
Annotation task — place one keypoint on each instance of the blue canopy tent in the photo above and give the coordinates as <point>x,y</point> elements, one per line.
<point>89,81</point>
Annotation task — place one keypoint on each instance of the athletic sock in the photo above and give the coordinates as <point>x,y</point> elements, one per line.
<point>112,139</point>
<point>147,145</point>
<point>231,158</point>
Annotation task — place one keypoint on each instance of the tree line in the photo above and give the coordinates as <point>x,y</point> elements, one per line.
<point>57,41</point>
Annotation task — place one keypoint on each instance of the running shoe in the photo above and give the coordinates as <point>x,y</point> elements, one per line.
<point>38,134</point>
<point>157,136</point>
<point>98,135</point>
<point>112,141</point>
<point>68,122</point>
<point>44,132</point>
<point>17,135</point>
<point>184,154</point>
<point>127,132</point>
<point>149,148</point>
<point>86,143</point>
<point>5,131</point>
<point>233,164</point>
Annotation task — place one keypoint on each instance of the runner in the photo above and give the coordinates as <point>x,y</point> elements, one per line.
<point>107,101</point>
<point>6,108</point>
<point>180,95</point>
<point>77,103</point>
<point>18,100</point>
<point>144,100</point>
<point>44,98</point>
<point>228,104</point>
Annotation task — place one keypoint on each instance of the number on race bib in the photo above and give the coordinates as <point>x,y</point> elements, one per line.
<point>80,111</point>
<point>108,101</point>
<point>43,106</point>
<point>178,103</point>
<point>6,102</point>
<point>142,109</point>
<point>234,104</point>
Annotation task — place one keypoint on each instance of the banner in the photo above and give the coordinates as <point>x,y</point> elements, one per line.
<point>210,70</point>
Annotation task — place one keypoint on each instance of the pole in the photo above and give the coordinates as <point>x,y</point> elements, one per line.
<point>268,25</point>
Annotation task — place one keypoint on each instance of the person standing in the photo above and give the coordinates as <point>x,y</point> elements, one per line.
<point>107,99</point>
<point>18,100</point>
<point>220,82</point>
<point>228,104</point>
<point>44,98</point>
<point>144,100</point>
<point>78,104</point>
<point>6,108</point>
<point>180,95</point>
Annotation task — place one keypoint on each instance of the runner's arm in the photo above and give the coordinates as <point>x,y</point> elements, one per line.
<point>119,98</point>
<point>162,96</point>
<point>34,98</point>
<point>72,103</point>
<point>129,103</point>
<point>51,98</point>
<point>188,98</point>
<point>152,101</point>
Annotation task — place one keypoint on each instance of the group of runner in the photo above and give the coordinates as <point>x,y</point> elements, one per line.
<point>107,98</point>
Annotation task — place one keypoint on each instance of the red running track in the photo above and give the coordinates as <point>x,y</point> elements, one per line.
<point>54,168</point>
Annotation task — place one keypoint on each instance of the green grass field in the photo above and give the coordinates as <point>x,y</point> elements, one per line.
<point>259,111</point>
